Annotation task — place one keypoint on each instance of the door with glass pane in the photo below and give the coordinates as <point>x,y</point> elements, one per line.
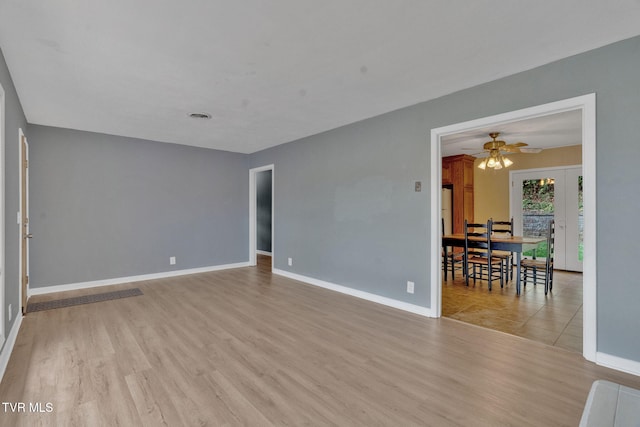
<point>540,195</point>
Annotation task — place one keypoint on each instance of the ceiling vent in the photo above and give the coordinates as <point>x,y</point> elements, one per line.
<point>203,116</point>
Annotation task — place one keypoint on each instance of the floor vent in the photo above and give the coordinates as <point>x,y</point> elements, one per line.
<point>86,299</point>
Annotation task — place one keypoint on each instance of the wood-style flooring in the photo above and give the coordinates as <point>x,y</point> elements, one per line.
<point>554,319</point>
<point>245,347</point>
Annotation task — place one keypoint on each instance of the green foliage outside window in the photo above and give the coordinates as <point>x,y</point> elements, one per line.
<point>537,196</point>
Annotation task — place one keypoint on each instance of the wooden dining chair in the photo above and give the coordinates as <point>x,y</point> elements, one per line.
<point>504,228</point>
<point>454,260</point>
<point>540,271</point>
<point>478,254</point>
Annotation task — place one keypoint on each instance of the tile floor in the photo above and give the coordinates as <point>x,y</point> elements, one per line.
<point>555,319</point>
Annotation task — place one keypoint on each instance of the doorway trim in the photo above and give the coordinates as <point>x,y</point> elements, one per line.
<point>2,223</point>
<point>23,221</point>
<point>253,216</point>
<point>585,103</point>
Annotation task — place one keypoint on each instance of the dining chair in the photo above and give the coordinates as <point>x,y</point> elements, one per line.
<point>504,228</point>
<point>541,270</point>
<point>455,260</point>
<point>478,254</point>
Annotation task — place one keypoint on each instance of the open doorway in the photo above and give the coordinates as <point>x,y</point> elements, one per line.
<point>585,105</point>
<point>261,189</point>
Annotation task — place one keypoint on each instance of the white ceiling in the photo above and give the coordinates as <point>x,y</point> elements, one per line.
<point>556,130</point>
<point>272,71</point>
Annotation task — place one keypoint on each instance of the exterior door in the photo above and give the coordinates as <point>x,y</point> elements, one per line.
<point>540,195</point>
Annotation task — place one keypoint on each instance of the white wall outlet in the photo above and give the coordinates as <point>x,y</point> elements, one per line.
<point>290,261</point>
<point>10,312</point>
<point>410,287</point>
<point>172,260</point>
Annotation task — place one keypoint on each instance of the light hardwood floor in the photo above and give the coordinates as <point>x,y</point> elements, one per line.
<point>243,347</point>
<point>554,319</point>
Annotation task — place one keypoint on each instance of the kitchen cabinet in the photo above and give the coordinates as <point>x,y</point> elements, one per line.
<point>457,173</point>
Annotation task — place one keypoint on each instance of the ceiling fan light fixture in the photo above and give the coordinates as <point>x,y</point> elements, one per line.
<point>496,149</point>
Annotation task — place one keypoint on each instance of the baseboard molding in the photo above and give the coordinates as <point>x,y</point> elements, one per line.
<point>7,349</point>
<point>401,305</point>
<point>120,280</point>
<point>618,363</point>
<point>263,253</point>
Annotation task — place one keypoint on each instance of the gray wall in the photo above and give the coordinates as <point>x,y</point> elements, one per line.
<point>346,211</point>
<point>14,120</point>
<point>263,210</point>
<point>103,206</point>
<point>345,206</point>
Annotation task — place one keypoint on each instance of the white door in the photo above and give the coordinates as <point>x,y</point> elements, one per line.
<point>540,195</point>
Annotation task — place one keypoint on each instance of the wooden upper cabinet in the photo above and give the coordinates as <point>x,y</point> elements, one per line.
<point>446,172</point>
<point>457,171</point>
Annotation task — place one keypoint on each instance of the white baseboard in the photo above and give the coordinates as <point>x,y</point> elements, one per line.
<point>618,363</point>
<point>263,253</point>
<point>401,305</point>
<point>120,280</point>
<point>5,354</point>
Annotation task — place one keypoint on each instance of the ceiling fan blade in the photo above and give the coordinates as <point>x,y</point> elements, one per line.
<point>515,145</point>
<point>511,149</point>
<point>530,150</point>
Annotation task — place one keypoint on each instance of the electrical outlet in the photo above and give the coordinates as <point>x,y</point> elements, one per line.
<point>290,261</point>
<point>172,260</point>
<point>410,287</point>
<point>10,312</point>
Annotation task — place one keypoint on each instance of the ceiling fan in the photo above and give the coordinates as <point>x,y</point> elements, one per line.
<point>496,149</point>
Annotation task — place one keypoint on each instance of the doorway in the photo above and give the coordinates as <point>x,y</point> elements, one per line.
<point>586,105</point>
<point>261,214</point>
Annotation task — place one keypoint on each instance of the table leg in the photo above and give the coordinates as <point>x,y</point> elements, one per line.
<point>518,273</point>
<point>446,262</point>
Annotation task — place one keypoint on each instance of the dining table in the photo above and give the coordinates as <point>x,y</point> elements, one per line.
<point>515,244</point>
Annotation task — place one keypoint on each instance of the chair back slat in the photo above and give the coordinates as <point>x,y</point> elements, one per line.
<point>479,231</point>
<point>502,227</point>
<point>477,252</point>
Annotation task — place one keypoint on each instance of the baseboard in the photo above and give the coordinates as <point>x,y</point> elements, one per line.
<point>120,280</point>
<point>618,363</point>
<point>401,305</point>
<point>263,253</point>
<point>7,349</point>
